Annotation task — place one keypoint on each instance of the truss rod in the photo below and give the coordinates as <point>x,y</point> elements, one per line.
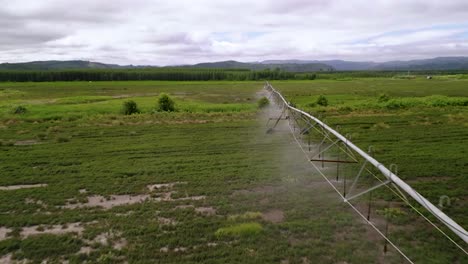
<point>445,219</point>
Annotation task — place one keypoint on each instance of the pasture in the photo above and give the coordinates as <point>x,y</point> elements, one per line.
<point>205,184</point>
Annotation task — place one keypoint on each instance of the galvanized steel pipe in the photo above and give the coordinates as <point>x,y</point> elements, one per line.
<point>452,225</point>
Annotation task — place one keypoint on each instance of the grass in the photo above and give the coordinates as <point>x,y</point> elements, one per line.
<point>74,138</point>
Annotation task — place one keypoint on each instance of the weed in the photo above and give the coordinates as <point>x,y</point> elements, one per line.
<point>383,98</point>
<point>263,102</point>
<point>19,110</point>
<point>47,246</point>
<point>241,230</point>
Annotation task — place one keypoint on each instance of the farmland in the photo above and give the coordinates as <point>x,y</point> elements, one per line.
<point>83,182</point>
<point>419,125</point>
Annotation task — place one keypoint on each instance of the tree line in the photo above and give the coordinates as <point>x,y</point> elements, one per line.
<point>180,74</point>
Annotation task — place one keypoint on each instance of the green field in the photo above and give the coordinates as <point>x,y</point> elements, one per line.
<point>205,184</point>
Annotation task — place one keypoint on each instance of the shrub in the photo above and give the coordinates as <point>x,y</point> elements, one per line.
<point>263,102</point>
<point>383,98</point>
<point>130,107</point>
<point>165,103</point>
<point>19,110</point>
<point>322,100</point>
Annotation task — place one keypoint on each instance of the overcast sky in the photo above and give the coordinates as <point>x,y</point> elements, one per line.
<point>169,32</point>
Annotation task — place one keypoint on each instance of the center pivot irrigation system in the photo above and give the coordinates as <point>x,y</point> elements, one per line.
<point>301,123</point>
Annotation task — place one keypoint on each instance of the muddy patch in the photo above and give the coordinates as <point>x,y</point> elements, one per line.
<point>55,229</point>
<point>21,186</point>
<point>275,216</point>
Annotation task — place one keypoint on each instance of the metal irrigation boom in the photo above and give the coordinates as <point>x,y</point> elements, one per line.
<point>391,177</point>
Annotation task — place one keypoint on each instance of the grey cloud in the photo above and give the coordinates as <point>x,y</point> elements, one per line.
<point>13,37</point>
<point>179,31</point>
<point>170,39</point>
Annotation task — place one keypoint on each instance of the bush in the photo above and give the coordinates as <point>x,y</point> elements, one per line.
<point>395,104</point>
<point>383,98</point>
<point>130,107</point>
<point>165,103</point>
<point>19,110</point>
<point>322,100</point>
<point>263,102</point>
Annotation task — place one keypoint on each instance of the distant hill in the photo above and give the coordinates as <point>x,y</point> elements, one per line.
<point>439,63</point>
<point>57,65</point>
<point>79,64</point>
<point>291,67</point>
<point>339,65</point>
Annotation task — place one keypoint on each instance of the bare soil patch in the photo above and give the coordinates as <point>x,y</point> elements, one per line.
<point>85,250</point>
<point>115,200</point>
<point>21,186</point>
<point>55,229</point>
<point>206,210</point>
<point>8,259</point>
<point>166,221</point>
<point>26,142</point>
<point>158,186</point>
<point>3,233</point>
<point>274,216</point>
